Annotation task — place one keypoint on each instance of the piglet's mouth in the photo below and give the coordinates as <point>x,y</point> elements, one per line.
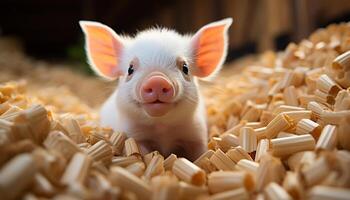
<point>158,101</point>
<point>157,108</point>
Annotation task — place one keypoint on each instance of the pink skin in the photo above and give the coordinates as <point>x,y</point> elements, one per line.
<point>157,94</point>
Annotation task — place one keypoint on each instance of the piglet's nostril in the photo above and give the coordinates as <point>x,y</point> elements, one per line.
<point>165,90</point>
<point>148,90</point>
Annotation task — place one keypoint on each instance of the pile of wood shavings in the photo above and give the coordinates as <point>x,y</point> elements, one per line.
<point>44,76</point>
<point>278,130</point>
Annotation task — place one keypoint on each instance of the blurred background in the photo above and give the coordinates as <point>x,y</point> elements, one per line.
<point>49,30</point>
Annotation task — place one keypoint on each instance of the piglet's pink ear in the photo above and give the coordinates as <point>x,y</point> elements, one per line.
<point>209,46</point>
<point>103,48</point>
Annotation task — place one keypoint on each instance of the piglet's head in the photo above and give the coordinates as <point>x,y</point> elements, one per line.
<point>157,68</point>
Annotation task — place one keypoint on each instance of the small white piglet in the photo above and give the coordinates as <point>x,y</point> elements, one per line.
<point>157,101</point>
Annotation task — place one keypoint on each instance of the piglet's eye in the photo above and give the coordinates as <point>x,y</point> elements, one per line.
<point>130,69</point>
<point>185,68</point>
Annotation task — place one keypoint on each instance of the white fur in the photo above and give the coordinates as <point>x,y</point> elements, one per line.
<point>185,125</point>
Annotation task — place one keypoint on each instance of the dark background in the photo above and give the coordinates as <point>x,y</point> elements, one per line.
<point>48,29</point>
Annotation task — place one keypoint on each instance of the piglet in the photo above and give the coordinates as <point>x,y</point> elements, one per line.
<point>157,101</point>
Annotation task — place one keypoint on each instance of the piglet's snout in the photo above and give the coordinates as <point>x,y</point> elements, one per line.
<point>156,89</point>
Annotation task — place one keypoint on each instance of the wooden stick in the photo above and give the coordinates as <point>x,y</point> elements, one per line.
<point>328,139</point>
<point>235,130</point>
<point>231,122</point>
<point>252,114</point>
<point>59,142</point>
<point>74,131</point>
<point>326,192</point>
<point>316,109</point>
<point>117,141</point>
<point>343,160</point>
<point>101,151</point>
<point>239,193</point>
<point>21,129</point>
<point>301,160</point>
<point>129,182</point>
<point>165,187</point>
<point>204,162</point>
<point>285,134</point>
<point>104,186</point>
<point>11,113</point>
<point>342,62</point>
<point>248,139</point>
<point>237,154</point>
<point>228,141</point>
<point>39,123</point>
<point>276,88</point>
<point>223,181</point>
<point>296,116</point>
<point>213,143</point>
<point>206,154</point>
<point>275,192</point>
<point>290,96</point>
<point>307,126</point>
<point>77,169</point>
<point>189,172</point>
<point>100,167</point>
<point>327,85</point>
<point>305,99</point>
<point>221,161</point>
<point>137,168</point>
<point>155,167</point>
<point>248,166</point>
<point>43,186</point>
<point>270,170</point>
<point>342,100</point>
<point>293,185</point>
<point>290,78</point>
<point>169,162</point>
<point>287,108</point>
<point>10,150</point>
<point>324,98</point>
<point>316,172</point>
<point>148,157</point>
<point>58,126</point>
<point>4,107</point>
<point>263,147</point>
<point>17,175</point>
<point>260,133</point>
<point>52,164</point>
<point>278,124</point>
<point>189,191</point>
<point>335,117</point>
<point>266,117</point>
<point>84,146</point>
<point>124,161</point>
<point>286,146</point>
<point>131,147</point>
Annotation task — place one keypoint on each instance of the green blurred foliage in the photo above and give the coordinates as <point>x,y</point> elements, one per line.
<point>76,53</point>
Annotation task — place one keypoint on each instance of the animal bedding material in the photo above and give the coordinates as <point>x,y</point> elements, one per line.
<point>278,130</point>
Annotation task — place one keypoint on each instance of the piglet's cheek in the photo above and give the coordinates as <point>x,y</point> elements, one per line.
<point>157,109</point>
